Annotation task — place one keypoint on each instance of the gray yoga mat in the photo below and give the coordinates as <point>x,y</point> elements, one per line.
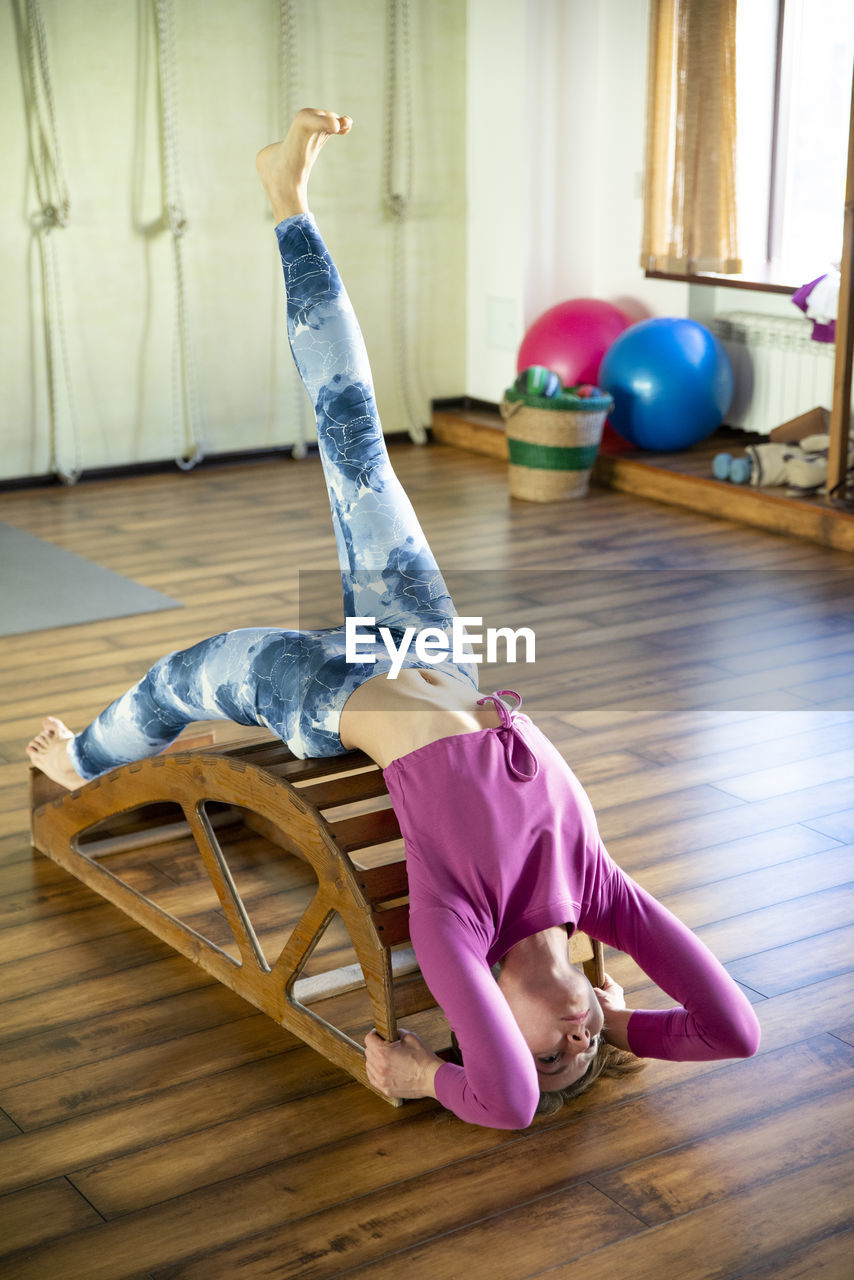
<point>43,586</point>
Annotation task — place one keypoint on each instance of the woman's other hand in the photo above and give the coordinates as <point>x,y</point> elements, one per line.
<point>613,1001</point>
<point>403,1068</point>
<point>610,995</point>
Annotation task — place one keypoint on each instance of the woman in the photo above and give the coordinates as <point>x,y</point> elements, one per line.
<point>502,847</point>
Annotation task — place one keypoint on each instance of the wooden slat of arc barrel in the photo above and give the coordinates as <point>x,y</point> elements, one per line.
<point>366,785</point>
<point>260,751</point>
<point>300,771</point>
<point>365,830</point>
<point>392,924</point>
<point>272,754</point>
<point>412,995</point>
<point>379,884</point>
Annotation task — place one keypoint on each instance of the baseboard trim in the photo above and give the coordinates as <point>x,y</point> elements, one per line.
<point>162,466</point>
<point>464,404</point>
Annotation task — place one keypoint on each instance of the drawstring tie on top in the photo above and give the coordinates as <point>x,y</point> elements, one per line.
<point>516,749</point>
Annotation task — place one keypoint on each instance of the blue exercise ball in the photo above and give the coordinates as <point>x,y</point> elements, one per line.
<point>671,380</point>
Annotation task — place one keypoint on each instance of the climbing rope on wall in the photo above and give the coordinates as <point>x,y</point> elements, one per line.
<point>288,107</point>
<point>398,182</point>
<point>185,413</point>
<point>52,214</point>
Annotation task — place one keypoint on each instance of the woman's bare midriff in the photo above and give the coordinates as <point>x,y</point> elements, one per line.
<point>389,718</point>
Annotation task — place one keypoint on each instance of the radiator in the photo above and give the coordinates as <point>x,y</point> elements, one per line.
<point>779,371</point>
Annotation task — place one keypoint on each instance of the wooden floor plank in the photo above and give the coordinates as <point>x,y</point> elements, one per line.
<point>797,878</point>
<point>723,1239</point>
<point>91,1141</point>
<point>839,825</point>
<point>39,1213</point>
<point>826,1258</point>
<point>548,1221</point>
<point>122,948</point>
<point>699,1173</point>
<point>787,968</point>
<point>776,748</point>
<point>138,1073</point>
<point>711,1243</point>
<point>100,1038</point>
<point>816,807</point>
<point>63,1006</point>
<point>816,645</point>
<point>687,871</point>
<point>697,736</point>
<point>807,763</point>
<point>297,1125</point>
<point>810,1006</point>
<point>784,923</point>
<point>8,1128</point>
<point>763,784</point>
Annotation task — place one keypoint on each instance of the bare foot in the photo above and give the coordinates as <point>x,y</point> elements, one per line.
<point>284,167</point>
<point>48,751</point>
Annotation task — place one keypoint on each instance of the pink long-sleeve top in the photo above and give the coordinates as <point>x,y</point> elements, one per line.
<point>502,842</point>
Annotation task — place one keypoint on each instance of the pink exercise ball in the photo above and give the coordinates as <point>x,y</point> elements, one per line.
<point>572,337</point>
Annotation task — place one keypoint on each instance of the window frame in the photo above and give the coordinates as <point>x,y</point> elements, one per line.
<point>767,278</point>
<point>770,276</point>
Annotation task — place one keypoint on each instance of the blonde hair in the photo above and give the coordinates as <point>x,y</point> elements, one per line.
<point>609,1061</point>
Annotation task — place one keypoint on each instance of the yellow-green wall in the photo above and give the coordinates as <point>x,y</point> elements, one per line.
<point>115,263</point>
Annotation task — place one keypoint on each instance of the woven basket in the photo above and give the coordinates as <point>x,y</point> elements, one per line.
<point>552,443</point>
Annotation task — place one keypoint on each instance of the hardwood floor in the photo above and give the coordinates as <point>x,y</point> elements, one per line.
<point>698,676</point>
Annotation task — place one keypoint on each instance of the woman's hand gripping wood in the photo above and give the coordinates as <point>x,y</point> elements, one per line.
<point>403,1068</point>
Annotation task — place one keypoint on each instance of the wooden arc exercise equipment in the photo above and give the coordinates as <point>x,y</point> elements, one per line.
<point>309,842</point>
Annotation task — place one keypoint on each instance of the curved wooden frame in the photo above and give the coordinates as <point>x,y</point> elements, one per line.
<point>258,778</point>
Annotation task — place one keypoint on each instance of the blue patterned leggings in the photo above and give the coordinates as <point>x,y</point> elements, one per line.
<point>296,682</point>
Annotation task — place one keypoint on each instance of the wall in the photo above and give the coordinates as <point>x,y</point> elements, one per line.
<point>497,200</point>
<point>556,152</point>
<point>116,265</point>
<point>528,137</point>
<point>556,106</point>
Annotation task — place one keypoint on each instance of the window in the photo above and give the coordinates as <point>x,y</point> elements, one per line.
<point>794,62</point>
